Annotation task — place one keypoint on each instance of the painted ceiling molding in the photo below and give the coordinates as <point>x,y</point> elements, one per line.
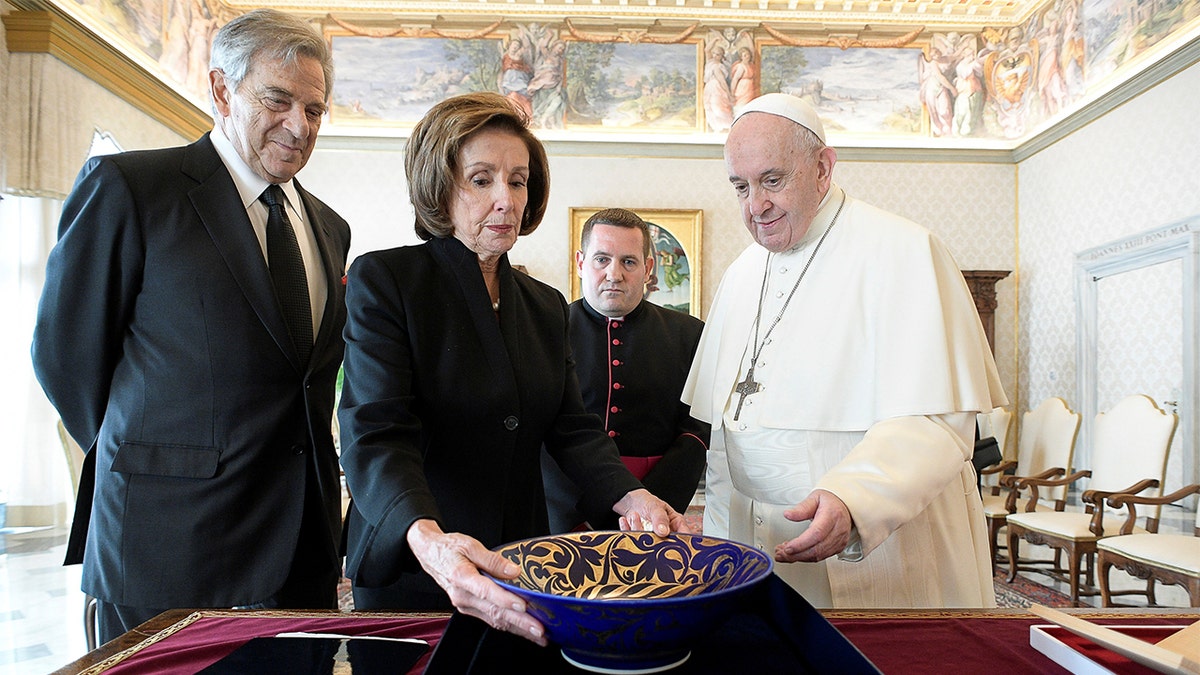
<point>64,38</point>
<point>413,31</point>
<point>631,36</point>
<point>843,41</point>
<point>830,14</point>
<point>140,62</point>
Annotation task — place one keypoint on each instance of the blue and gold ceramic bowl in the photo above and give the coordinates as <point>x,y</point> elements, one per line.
<point>632,601</point>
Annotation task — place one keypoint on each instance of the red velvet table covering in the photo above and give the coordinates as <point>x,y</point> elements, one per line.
<point>204,637</point>
<point>1000,644</point>
<point>897,642</point>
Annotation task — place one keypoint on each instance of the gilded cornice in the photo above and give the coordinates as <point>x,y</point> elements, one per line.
<point>53,33</point>
<point>43,26</point>
<point>830,15</point>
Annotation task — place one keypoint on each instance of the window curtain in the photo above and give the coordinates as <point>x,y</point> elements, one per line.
<point>46,135</point>
<point>48,118</point>
<point>47,129</point>
<point>35,482</point>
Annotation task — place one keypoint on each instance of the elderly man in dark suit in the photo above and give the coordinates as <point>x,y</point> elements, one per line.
<point>199,378</point>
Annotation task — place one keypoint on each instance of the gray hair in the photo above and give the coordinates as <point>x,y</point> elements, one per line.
<point>807,142</point>
<point>271,33</point>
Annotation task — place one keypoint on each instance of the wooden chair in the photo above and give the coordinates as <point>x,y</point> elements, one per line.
<point>998,424</point>
<point>74,456</point>
<point>1044,450</point>
<point>1129,454</point>
<point>1167,558</point>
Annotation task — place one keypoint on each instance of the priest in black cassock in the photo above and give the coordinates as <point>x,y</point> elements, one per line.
<point>632,358</point>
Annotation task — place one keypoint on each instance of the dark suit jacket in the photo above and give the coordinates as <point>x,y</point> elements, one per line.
<point>161,344</point>
<point>631,374</point>
<point>445,408</point>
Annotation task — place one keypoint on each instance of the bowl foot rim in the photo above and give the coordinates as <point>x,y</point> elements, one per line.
<point>613,668</point>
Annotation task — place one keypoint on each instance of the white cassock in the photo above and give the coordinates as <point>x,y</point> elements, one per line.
<point>870,385</point>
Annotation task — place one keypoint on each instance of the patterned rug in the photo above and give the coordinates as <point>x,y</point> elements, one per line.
<point>345,596</point>
<point>1023,592</point>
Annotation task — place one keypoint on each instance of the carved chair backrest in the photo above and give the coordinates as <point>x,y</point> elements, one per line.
<point>1047,440</point>
<point>1131,443</point>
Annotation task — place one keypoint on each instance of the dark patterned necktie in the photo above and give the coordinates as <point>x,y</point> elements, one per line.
<point>287,272</point>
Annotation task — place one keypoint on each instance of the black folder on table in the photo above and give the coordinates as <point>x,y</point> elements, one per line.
<point>320,655</point>
<point>776,631</point>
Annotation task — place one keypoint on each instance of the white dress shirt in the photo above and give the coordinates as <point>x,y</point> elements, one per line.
<point>250,186</point>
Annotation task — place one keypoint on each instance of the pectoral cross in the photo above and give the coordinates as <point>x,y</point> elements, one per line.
<point>746,386</point>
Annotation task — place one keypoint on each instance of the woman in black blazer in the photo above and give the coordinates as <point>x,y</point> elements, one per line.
<point>457,371</point>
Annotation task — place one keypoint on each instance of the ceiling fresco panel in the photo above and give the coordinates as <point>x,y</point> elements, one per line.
<point>935,73</point>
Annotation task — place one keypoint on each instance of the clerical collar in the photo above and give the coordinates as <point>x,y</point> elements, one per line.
<point>824,218</point>
<point>603,318</point>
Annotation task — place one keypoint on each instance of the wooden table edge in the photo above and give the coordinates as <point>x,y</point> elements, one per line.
<point>151,629</point>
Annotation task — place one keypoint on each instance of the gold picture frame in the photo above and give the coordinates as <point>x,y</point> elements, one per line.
<point>677,270</point>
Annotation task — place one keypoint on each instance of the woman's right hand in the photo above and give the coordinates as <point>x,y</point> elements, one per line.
<point>455,561</point>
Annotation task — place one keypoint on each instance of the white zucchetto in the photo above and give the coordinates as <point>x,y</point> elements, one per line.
<point>786,105</point>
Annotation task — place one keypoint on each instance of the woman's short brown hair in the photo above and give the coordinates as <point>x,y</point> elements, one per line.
<point>431,158</point>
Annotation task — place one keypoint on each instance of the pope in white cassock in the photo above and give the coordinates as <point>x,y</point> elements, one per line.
<point>841,367</point>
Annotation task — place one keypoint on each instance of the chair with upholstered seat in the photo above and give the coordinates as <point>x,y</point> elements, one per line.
<point>998,424</point>
<point>1153,556</point>
<point>1129,454</point>
<point>1044,450</point>
<point>74,456</point>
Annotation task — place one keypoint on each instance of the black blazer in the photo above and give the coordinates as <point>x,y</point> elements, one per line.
<point>161,344</point>
<point>445,408</point>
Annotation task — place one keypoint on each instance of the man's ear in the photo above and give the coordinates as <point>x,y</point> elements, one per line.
<point>826,159</point>
<point>220,91</point>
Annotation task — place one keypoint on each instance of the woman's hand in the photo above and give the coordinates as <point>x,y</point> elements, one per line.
<point>455,561</point>
<point>640,510</point>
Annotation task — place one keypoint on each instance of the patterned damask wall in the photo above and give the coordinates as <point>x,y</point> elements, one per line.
<point>1139,349</point>
<point>970,206</point>
<point>1139,323</point>
<point>1130,171</point>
